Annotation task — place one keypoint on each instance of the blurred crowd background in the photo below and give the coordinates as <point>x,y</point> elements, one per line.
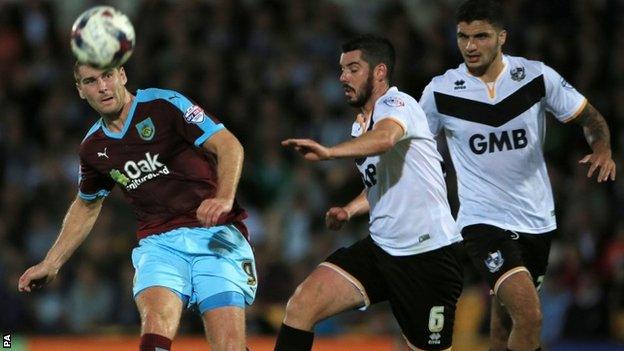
<point>269,70</point>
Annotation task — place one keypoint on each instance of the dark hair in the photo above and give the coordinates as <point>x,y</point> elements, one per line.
<point>481,10</point>
<point>375,50</point>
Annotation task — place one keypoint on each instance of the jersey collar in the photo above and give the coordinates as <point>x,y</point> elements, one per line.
<point>127,124</point>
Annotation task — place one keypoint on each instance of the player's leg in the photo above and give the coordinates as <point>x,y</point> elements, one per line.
<point>498,255</point>
<point>424,290</point>
<point>161,289</point>
<point>346,280</point>
<point>519,296</point>
<point>535,251</point>
<point>160,310</point>
<point>325,292</point>
<point>500,325</point>
<point>224,282</point>
<point>225,328</point>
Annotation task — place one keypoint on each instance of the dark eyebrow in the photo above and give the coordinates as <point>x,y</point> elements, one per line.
<point>462,34</point>
<point>351,64</point>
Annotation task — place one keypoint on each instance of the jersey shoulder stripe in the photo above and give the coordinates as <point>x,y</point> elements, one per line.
<point>94,128</point>
<point>493,115</point>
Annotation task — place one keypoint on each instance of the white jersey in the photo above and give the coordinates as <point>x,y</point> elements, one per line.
<point>409,210</point>
<point>495,135</point>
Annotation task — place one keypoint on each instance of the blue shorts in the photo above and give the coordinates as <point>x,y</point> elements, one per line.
<point>208,267</point>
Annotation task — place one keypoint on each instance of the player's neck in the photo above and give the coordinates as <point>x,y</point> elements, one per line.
<point>378,91</point>
<point>493,70</point>
<point>115,122</point>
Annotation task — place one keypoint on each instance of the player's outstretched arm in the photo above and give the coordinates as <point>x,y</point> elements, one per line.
<point>382,138</point>
<point>230,155</point>
<point>598,137</point>
<point>77,224</point>
<point>336,217</point>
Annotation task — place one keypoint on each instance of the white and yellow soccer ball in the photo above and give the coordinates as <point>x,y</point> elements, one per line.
<point>102,37</point>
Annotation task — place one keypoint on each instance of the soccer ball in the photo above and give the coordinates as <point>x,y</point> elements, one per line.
<point>102,37</point>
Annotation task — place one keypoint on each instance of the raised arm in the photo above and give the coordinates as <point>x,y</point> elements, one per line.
<point>382,138</point>
<point>336,217</point>
<point>77,225</point>
<point>597,135</point>
<point>230,155</point>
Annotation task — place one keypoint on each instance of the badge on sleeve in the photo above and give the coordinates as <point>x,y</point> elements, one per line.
<point>393,101</point>
<point>194,114</point>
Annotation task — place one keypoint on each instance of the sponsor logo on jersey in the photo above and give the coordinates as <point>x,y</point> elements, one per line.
<point>194,114</point>
<point>494,261</point>
<point>119,177</point>
<point>434,339</point>
<point>393,101</point>
<point>460,84</point>
<point>517,74</point>
<point>479,143</point>
<point>102,154</point>
<point>136,173</point>
<point>146,129</point>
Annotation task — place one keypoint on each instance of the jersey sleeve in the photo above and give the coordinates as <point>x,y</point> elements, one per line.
<point>93,185</point>
<point>396,108</point>
<point>427,102</point>
<point>562,99</point>
<point>195,125</point>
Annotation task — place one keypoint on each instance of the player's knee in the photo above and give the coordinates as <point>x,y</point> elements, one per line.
<point>297,302</point>
<point>529,319</point>
<point>228,342</point>
<point>301,305</point>
<point>159,322</point>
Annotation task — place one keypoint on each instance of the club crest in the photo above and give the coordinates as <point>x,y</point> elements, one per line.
<point>146,129</point>
<point>494,261</point>
<point>517,74</point>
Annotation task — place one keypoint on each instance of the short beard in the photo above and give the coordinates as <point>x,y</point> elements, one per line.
<point>366,93</point>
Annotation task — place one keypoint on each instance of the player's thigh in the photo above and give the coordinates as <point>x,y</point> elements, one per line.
<point>160,310</point>
<point>224,273</point>
<point>495,252</point>
<point>157,262</point>
<point>225,326</point>
<point>535,253</point>
<point>519,297</point>
<point>356,269</point>
<point>327,291</point>
<point>424,290</point>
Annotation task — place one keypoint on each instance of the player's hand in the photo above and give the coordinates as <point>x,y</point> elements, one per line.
<point>36,277</point>
<point>602,161</point>
<point>210,210</point>
<point>336,217</point>
<point>310,149</point>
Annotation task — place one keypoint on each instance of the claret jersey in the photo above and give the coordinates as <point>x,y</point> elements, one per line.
<point>157,161</point>
<point>409,210</point>
<point>495,135</point>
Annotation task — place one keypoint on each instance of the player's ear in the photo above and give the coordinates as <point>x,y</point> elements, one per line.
<point>79,88</point>
<point>502,37</point>
<point>122,75</point>
<point>381,72</point>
